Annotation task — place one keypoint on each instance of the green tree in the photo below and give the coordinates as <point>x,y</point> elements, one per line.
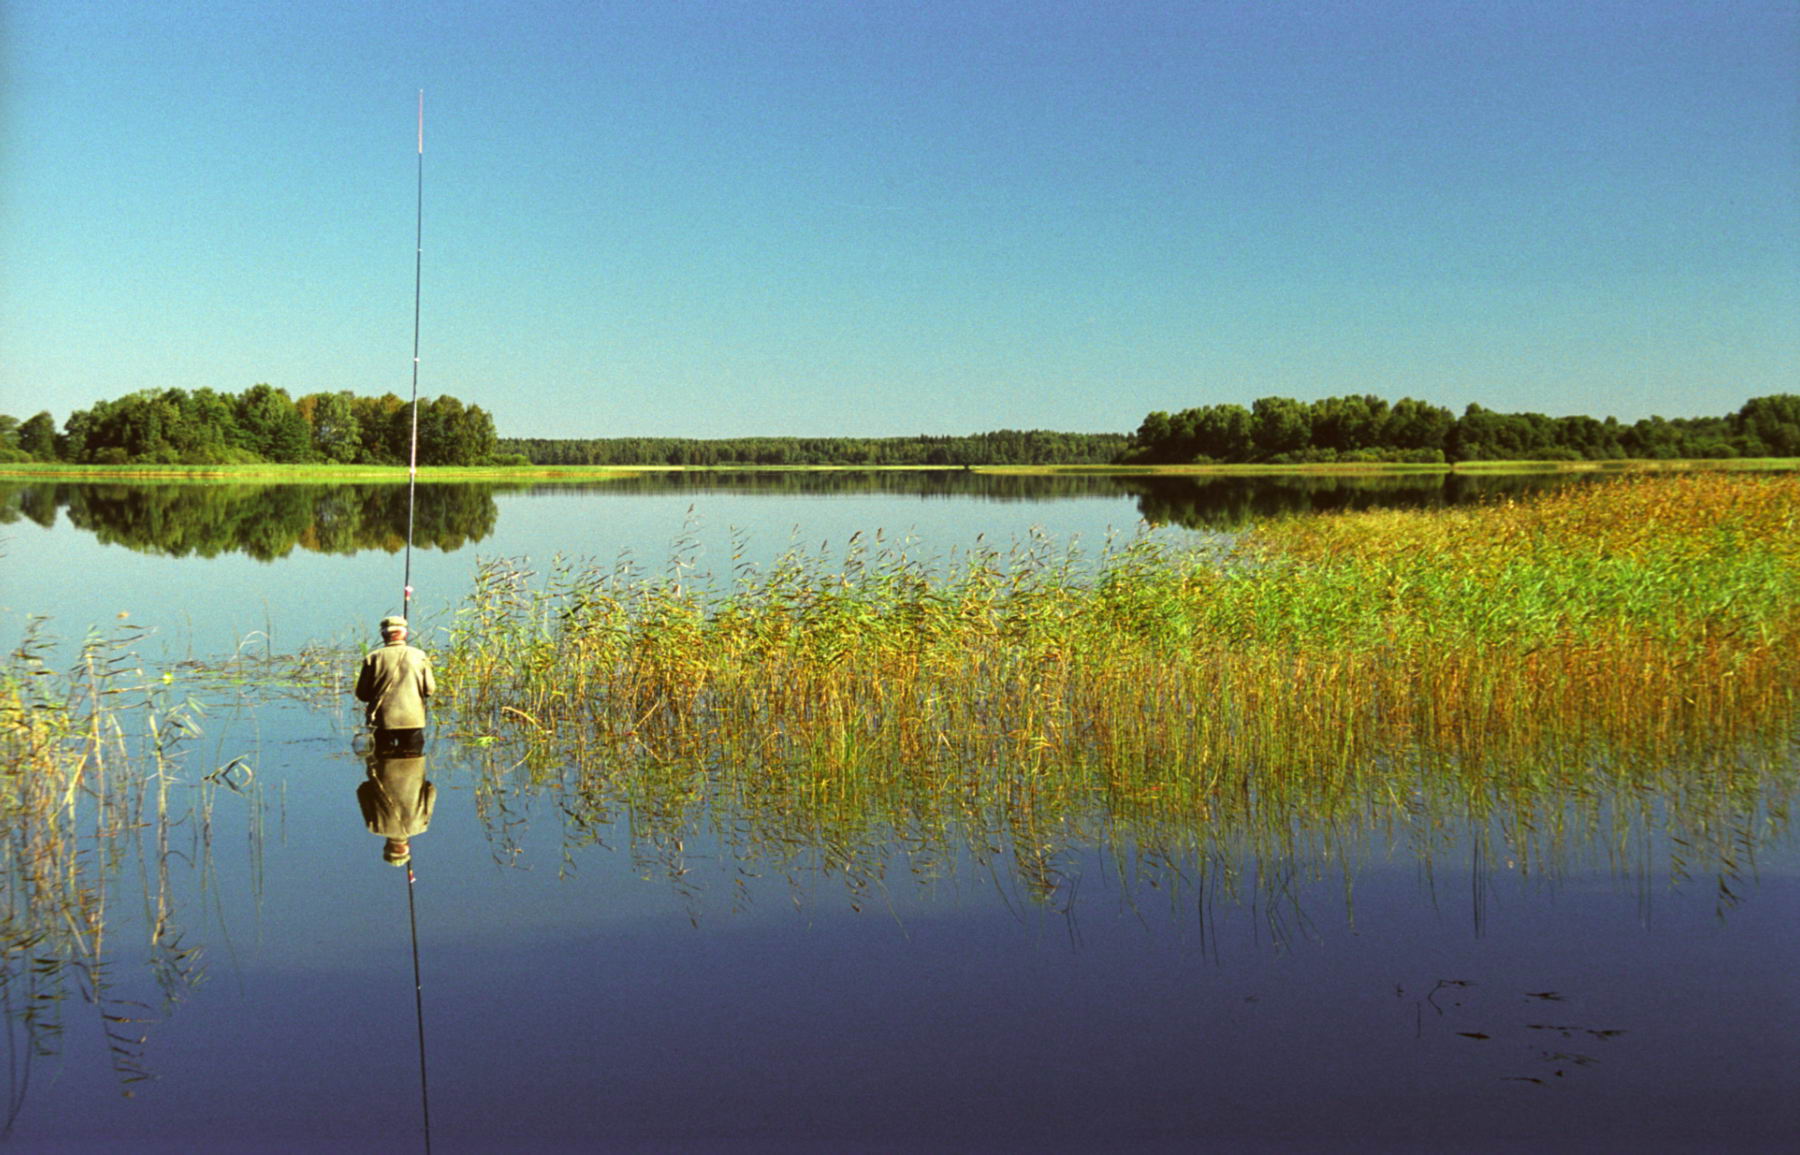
<point>1413,424</point>
<point>1222,433</point>
<point>385,423</point>
<point>71,443</point>
<point>1651,438</point>
<point>1588,438</point>
<point>37,436</point>
<point>9,439</point>
<point>1347,424</point>
<point>1279,425</point>
<point>131,428</point>
<point>1151,441</point>
<point>270,426</point>
<point>336,432</point>
<point>209,423</point>
<point>1484,435</point>
<point>1769,426</point>
<point>451,433</point>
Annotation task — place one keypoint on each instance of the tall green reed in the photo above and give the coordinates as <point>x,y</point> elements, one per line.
<point>1507,661</point>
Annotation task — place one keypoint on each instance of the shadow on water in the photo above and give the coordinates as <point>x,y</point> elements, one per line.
<point>396,800</point>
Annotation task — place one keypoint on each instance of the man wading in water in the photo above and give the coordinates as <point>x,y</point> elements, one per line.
<point>395,681</point>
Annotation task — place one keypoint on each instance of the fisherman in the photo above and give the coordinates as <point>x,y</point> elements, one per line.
<point>395,681</point>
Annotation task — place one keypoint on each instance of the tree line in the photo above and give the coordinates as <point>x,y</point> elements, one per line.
<point>1003,447</point>
<point>1281,430</point>
<point>261,424</point>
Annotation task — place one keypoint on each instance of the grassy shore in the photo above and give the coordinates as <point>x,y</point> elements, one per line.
<point>279,474</point>
<point>397,474</point>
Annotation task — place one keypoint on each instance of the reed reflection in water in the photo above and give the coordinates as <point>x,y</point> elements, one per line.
<point>96,779</point>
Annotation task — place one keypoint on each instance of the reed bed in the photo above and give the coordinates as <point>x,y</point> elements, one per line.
<point>87,762</point>
<point>1588,643</point>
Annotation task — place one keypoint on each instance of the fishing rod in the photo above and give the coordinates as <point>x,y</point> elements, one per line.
<point>412,488</point>
<point>419,1006</point>
<point>412,464</point>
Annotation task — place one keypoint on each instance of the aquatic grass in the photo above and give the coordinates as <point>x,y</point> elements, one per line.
<point>1327,668</point>
<point>88,757</point>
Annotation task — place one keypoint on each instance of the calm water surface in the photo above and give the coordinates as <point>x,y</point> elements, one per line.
<point>600,978</point>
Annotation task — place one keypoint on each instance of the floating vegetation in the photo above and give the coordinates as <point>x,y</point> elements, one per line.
<point>1604,659</point>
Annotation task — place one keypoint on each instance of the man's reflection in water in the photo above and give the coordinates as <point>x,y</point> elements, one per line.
<point>396,803</point>
<point>396,800</point>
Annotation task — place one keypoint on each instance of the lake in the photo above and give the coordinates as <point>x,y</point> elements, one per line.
<point>605,962</point>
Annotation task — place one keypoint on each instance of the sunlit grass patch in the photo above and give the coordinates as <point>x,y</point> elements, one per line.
<point>1661,606</point>
<point>1615,662</point>
<point>1485,658</point>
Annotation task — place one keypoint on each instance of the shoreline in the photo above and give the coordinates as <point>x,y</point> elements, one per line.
<point>398,474</point>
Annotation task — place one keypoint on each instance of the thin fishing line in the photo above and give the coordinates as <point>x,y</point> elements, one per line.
<point>412,465</point>
<point>419,1006</point>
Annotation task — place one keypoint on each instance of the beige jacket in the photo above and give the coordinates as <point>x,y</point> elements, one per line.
<point>395,681</point>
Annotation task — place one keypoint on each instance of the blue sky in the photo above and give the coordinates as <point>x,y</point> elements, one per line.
<point>714,219</point>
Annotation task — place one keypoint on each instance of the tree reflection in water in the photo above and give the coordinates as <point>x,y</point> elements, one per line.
<point>264,521</point>
<point>182,519</point>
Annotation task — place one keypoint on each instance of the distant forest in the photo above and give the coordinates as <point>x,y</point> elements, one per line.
<point>202,427</point>
<point>1279,430</point>
<point>1274,430</point>
<point>262,424</point>
<point>1006,447</point>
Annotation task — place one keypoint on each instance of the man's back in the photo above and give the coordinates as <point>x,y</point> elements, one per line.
<point>395,681</point>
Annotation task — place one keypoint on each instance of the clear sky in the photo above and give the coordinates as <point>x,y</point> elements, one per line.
<point>871,217</point>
